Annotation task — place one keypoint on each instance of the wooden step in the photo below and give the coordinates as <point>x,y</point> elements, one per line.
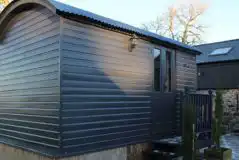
<point>167,147</point>
<point>158,155</point>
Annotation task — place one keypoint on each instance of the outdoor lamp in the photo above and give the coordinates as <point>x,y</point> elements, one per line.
<point>133,42</point>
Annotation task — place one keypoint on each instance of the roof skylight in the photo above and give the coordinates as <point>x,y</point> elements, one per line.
<point>220,51</point>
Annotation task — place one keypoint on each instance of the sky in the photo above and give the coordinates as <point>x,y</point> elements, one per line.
<point>221,17</point>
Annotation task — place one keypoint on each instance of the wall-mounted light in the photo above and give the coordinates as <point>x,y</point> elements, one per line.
<point>132,42</point>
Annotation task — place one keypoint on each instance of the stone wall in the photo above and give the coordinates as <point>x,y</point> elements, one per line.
<point>230,101</point>
<point>11,153</point>
<point>132,152</point>
<point>231,115</point>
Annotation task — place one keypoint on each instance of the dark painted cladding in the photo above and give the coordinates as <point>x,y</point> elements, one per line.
<point>186,71</point>
<point>105,89</point>
<point>186,76</point>
<point>163,115</point>
<point>223,75</point>
<point>104,93</point>
<point>29,80</point>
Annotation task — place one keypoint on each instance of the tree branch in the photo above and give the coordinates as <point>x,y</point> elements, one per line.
<point>180,24</point>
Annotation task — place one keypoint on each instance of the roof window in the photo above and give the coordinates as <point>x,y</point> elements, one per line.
<point>220,51</point>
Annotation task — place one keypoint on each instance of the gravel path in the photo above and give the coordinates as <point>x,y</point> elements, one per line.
<point>231,141</point>
<point>228,141</point>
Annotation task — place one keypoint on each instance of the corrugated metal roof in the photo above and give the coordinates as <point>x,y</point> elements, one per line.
<point>62,7</point>
<point>207,49</point>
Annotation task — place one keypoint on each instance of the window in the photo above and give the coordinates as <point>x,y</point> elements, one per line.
<point>168,79</point>
<point>156,53</point>
<point>157,69</point>
<point>220,51</point>
<point>162,70</point>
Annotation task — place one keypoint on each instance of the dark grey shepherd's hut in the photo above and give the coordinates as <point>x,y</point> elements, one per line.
<point>73,82</point>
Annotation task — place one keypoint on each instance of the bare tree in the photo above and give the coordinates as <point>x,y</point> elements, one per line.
<point>181,23</point>
<point>3,3</point>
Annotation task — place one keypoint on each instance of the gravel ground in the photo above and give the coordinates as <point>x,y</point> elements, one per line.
<point>231,141</point>
<point>228,141</point>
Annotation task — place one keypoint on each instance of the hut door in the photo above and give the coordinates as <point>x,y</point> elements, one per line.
<point>163,99</point>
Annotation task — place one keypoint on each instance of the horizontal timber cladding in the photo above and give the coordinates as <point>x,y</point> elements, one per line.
<point>186,76</point>
<point>219,75</point>
<point>186,71</point>
<point>29,81</point>
<point>163,115</point>
<point>105,89</point>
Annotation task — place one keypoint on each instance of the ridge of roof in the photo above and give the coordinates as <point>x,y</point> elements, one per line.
<point>207,49</point>
<point>212,43</point>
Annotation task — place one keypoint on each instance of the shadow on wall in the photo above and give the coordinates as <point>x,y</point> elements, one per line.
<point>106,91</point>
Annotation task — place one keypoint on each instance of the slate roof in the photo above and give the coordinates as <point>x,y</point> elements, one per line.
<point>64,8</point>
<point>206,49</point>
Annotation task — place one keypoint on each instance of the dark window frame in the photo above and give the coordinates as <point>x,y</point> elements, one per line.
<point>164,70</point>
<point>168,76</point>
<point>157,86</point>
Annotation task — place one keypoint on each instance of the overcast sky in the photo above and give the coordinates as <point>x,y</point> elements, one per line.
<point>221,18</point>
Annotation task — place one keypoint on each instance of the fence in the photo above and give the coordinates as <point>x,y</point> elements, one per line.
<point>204,112</point>
<point>167,114</point>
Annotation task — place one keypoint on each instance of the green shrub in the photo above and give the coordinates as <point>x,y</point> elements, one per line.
<point>217,120</point>
<point>189,136</point>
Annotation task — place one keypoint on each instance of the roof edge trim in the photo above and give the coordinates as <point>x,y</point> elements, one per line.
<point>91,21</point>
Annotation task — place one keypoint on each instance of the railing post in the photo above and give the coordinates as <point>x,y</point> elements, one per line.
<point>183,95</point>
<point>181,112</point>
<point>183,101</point>
<point>186,90</point>
<point>237,102</point>
<point>210,105</point>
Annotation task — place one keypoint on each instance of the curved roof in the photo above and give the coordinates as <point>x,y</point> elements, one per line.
<point>68,11</point>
